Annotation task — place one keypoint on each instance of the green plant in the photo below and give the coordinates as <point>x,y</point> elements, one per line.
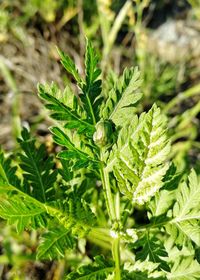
<point>113,167</point>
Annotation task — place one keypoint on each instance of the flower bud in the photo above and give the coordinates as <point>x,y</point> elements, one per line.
<point>103,134</point>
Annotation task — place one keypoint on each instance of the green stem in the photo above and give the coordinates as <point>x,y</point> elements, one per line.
<point>114,213</point>
<point>100,233</point>
<point>108,193</point>
<point>127,210</point>
<point>116,256</point>
<point>96,237</point>
<point>114,216</point>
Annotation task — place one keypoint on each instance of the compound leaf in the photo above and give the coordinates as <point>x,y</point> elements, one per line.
<point>80,158</point>
<point>152,250</point>
<point>69,65</point>
<point>23,213</point>
<point>119,104</point>
<point>54,243</point>
<point>7,173</point>
<point>98,270</point>
<point>185,269</point>
<point>74,214</point>
<point>139,158</point>
<point>91,88</point>
<point>186,212</point>
<point>61,112</point>
<point>38,168</point>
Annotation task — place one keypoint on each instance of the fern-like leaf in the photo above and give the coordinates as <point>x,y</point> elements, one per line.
<point>119,104</point>
<point>186,212</point>
<point>38,168</point>
<point>54,243</point>
<point>185,269</point>
<point>139,157</point>
<point>61,112</point>
<point>98,270</point>
<point>80,158</point>
<point>138,275</point>
<point>74,214</point>
<point>22,212</point>
<point>92,86</point>
<point>69,65</point>
<point>7,173</point>
<point>152,250</point>
<point>143,270</point>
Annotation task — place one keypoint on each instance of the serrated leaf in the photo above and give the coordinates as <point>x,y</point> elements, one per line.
<point>74,214</point>
<point>54,243</point>
<point>162,201</point>
<point>119,104</point>
<point>98,270</point>
<point>140,156</point>
<point>185,269</point>
<point>22,213</point>
<point>80,158</point>
<point>142,270</point>
<point>69,65</point>
<point>186,212</point>
<point>172,178</point>
<point>152,250</point>
<point>91,88</point>
<point>8,173</point>
<point>37,168</point>
<point>61,112</point>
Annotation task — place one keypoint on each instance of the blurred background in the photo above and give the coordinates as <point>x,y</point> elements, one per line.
<point>162,37</point>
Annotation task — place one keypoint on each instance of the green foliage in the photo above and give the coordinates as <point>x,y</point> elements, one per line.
<point>76,216</point>
<point>143,270</point>
<point>24,214</point>
<point>92,86</point>
<point>186,212</point>
<point>139,157</point>
<point>98,270</point>
<point>111,167</point>
<point>63,113</point>
<point>152,250</point>
<point>37,169</point>
<point>120,101</point>
<point>7,173</point>
<point>79,157</point>
<point>54,243</point>
<point>185,269</point>
<point>70,66</point>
